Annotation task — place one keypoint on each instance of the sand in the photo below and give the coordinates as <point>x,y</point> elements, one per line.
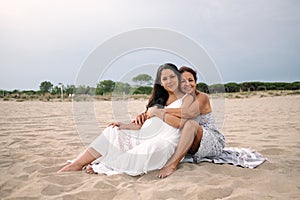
<point>38,137</point>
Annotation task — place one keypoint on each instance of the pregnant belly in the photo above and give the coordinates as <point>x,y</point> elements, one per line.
<point>151,128</point>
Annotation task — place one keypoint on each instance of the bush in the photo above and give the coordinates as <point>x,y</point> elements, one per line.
<point>232,87</point>
<point>216,88</point>
<point>143,90</point>
<point>202,87</point>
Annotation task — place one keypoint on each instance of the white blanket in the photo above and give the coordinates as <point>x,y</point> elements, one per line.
<point>243,157</point>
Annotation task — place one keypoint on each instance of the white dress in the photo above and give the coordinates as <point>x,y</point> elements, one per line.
<point>136,152</point>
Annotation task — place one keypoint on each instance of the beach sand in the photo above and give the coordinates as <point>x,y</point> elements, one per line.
<point>38,137</point>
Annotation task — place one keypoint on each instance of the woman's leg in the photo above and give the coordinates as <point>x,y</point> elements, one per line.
<point>197,140</point>
<point>100,144</point>
<point>88,156</point>
<point>191,135</point>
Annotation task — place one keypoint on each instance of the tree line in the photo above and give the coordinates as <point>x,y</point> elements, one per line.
<point>105,87</point>
<point>141,86</point>
<point>248,86</point>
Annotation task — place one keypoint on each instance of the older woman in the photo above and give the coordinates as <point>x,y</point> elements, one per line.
<point>199,136</point>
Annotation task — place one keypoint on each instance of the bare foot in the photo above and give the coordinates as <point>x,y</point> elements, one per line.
<point>166,171</point>
<point>70,167</point>
<point>89,169</point>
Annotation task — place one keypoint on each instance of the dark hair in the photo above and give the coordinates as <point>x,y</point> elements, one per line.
<point>159,95</point>
<point>188,69</point>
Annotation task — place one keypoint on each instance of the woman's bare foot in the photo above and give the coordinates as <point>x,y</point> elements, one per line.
<point>89,169</point>
<point>70,167</point>
<point>88,156</point>
<point>166,171</point>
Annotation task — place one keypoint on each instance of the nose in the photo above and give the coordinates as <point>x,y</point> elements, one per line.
<point>169,80</point>
<point>186,82</point>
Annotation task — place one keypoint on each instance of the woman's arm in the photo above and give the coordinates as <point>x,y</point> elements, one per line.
<point>188,110</point>
<point>129,126</point>
<point>174,121</point>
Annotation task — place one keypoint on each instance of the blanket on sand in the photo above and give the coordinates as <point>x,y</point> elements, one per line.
<point>243,157</point>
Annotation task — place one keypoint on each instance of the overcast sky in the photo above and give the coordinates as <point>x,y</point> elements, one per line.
<point>248,40</point>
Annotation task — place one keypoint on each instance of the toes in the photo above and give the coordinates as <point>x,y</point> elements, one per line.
<point>90,170</point>
<point>161,175</point>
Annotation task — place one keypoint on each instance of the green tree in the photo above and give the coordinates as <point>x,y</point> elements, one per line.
<point>294,86</point>
<point>70,89</point>
<point>248,86</point>
<point>82,89</point>
<point>216,88</point>
<point>3,93</point>
<point>143,79</point>
<point>55,90</point>
<point>45,87</point>
<point>143,90</point>
<point>122,88</point>
<point>232,87</point>
<point>104,87</point>
<point>203,87</point>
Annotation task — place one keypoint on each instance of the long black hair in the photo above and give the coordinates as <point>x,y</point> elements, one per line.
<point>159,95</point>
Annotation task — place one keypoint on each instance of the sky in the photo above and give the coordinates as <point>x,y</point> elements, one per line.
<point>50,40</point>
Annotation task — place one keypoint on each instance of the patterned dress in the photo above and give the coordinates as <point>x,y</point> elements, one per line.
<point>212,148</point>
<point>213,141</point>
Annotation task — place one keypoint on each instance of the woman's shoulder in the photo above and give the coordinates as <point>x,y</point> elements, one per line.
<point>202,96</point>
<point>204,102</point>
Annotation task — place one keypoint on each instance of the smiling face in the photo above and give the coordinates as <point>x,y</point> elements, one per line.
<point>188,82</point>
<point>169,80</point>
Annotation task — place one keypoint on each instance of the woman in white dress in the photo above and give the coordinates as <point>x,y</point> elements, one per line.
<point>135,149</point>
<point>200,137</point>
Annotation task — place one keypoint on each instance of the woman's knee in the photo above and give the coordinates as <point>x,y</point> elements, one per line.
<point>190,126</point>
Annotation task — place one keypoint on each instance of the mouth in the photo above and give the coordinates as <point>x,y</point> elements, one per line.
<point>170,86</point>
<point>188,89</point>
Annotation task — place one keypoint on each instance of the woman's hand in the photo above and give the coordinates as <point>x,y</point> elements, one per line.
<point>120,125</point>
<point>115,124</point>
<point>140,119</point>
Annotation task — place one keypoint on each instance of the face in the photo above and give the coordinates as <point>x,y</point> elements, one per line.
<point>188,83</point>
<point>169,80</point>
